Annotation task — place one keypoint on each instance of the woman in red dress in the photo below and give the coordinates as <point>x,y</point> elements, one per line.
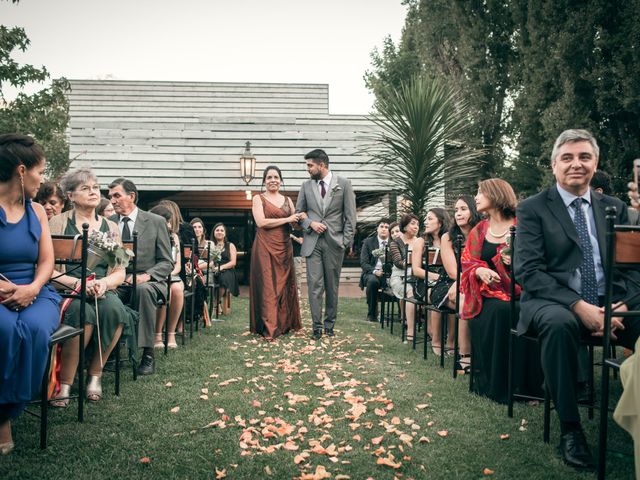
<point>274,297</point>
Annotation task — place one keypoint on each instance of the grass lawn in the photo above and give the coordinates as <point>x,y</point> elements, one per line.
<point>229,405</point>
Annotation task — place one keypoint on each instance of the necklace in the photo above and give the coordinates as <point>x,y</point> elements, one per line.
<point>496,235</point>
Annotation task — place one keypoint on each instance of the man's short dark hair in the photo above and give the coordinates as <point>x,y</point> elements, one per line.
<point>127,185</point>
<point>382,220</point>
<point>601,180</point>
<point>318,156</point>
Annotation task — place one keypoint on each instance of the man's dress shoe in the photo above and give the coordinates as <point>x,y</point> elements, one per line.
<point>317,335</point>
<point>147,365</point>
<point>575,450</point>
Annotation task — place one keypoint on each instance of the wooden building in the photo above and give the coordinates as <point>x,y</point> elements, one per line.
<point>183,141</point>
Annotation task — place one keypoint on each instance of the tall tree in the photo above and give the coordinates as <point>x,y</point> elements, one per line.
<point>416,122</point>
<point>466,44</point>
<point>45,114</point>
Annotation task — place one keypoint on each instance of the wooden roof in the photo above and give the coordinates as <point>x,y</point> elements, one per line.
<point>188,136</point>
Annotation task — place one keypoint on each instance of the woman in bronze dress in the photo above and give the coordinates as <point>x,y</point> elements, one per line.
<point>274,297</point>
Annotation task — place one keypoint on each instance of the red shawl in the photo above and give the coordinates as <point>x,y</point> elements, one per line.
<point>474,289</point>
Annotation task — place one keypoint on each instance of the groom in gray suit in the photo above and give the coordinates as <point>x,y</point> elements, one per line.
<point>329,224</point>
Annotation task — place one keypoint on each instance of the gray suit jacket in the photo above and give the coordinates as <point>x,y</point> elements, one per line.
<point>154,247</point>
<point>337,211</point>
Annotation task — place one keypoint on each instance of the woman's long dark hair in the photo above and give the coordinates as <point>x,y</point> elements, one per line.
<point>474,218</point>
<point>444,219</point>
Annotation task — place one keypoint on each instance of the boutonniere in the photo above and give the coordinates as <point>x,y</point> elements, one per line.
<point>336,188</point>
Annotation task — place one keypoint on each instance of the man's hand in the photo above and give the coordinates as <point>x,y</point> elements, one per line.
<point>591,316</point>
<point>143,278</point>
<point>318,227</point>
<point>377,273</point>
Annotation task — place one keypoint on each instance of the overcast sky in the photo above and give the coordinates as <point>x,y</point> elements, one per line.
<point>292,41</point>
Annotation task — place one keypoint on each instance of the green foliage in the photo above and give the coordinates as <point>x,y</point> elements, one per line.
<point>44,114</point>
<point>417,122</point>
<point>528,70</point>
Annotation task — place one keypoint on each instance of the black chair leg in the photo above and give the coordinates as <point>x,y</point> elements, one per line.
<point>547,415</point>
<point>44,401</point>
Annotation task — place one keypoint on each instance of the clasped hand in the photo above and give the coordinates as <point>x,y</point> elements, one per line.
<point>97,288</point>
<point>17,297</point>
<point>592,317</point>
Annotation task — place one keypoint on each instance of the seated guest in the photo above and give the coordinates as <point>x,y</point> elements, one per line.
<point>112,317</point>
<point>50,196</point>
<point>227,265</point>
<point>184,230</point>
<point>486,285</point>
<point>176,289</point>
<point>559,254</point>
<point>153,262</point>
<point>105,209</point>
<point>466,217</point>
<point>409,225</point>
<point>601,182</point>
<point>372,277</point>
<point>394,230</point>
<point>29,307</point>
<point>201,241</point>
<point>436,225</point>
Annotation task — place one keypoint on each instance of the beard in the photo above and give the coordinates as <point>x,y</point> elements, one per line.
<point>315,176</point>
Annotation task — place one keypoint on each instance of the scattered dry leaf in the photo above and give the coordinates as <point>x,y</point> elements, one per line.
<point>145,460</point>
<point>504,436</point>
<point>175,409</point>
<point>221,473</point>
<point>488,471</point>
<point>443,433</point>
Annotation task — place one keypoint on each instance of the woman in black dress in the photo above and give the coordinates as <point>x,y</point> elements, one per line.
<point>486,285</point>
<point>227,269</point>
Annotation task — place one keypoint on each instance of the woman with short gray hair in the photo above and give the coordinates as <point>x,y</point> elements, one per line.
<point>104,308</point>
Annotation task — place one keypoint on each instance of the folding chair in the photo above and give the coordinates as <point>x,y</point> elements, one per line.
<point>623,256</point>
<point>388,300</point>
<point>69,251</point>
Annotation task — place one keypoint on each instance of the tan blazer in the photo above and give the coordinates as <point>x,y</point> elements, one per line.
<point>58,224</point>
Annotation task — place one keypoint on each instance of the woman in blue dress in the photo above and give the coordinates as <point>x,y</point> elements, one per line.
<point>29,307</point>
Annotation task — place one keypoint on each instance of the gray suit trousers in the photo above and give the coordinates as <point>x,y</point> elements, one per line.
<point>147,296</point>
<point>323,279</point>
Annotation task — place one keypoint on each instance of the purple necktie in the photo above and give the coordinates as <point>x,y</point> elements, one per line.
<point>323,191</point>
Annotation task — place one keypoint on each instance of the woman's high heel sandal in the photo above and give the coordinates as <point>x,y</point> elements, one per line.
<point>62,398</point>
<point>94,388</point>
<point>464,363</point>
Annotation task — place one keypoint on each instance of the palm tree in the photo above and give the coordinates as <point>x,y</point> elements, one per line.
<point>417,143</point>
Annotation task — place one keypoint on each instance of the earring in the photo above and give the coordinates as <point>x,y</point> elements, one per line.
<point>22,186</point>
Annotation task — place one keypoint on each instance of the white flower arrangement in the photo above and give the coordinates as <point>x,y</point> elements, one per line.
<point>103,246</point>
<point>378,252</point>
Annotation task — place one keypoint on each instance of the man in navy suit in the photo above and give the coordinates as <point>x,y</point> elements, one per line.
<point>559,263</point>
<point>372,274</point>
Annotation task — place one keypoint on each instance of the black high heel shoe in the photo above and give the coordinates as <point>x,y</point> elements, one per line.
<point>464,365</point>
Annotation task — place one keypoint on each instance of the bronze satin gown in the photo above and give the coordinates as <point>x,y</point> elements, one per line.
<point>274,296</point>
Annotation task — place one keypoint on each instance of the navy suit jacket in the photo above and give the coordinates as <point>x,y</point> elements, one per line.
<point>547,251</point>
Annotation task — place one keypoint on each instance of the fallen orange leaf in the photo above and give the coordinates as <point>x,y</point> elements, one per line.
<point>145,460</point>
<point>388,461</point>
<point>488,471</point>
<point>221,473</point>
<point>443,433</point>
<point>377,440</point>
<point>504,436</point>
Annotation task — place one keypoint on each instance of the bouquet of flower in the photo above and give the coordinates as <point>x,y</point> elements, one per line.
<point>215,254</point>
<point>103,247</point>
<point>378,252</point>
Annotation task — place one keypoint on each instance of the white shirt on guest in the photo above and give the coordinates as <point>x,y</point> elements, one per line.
<point>133,216</point>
